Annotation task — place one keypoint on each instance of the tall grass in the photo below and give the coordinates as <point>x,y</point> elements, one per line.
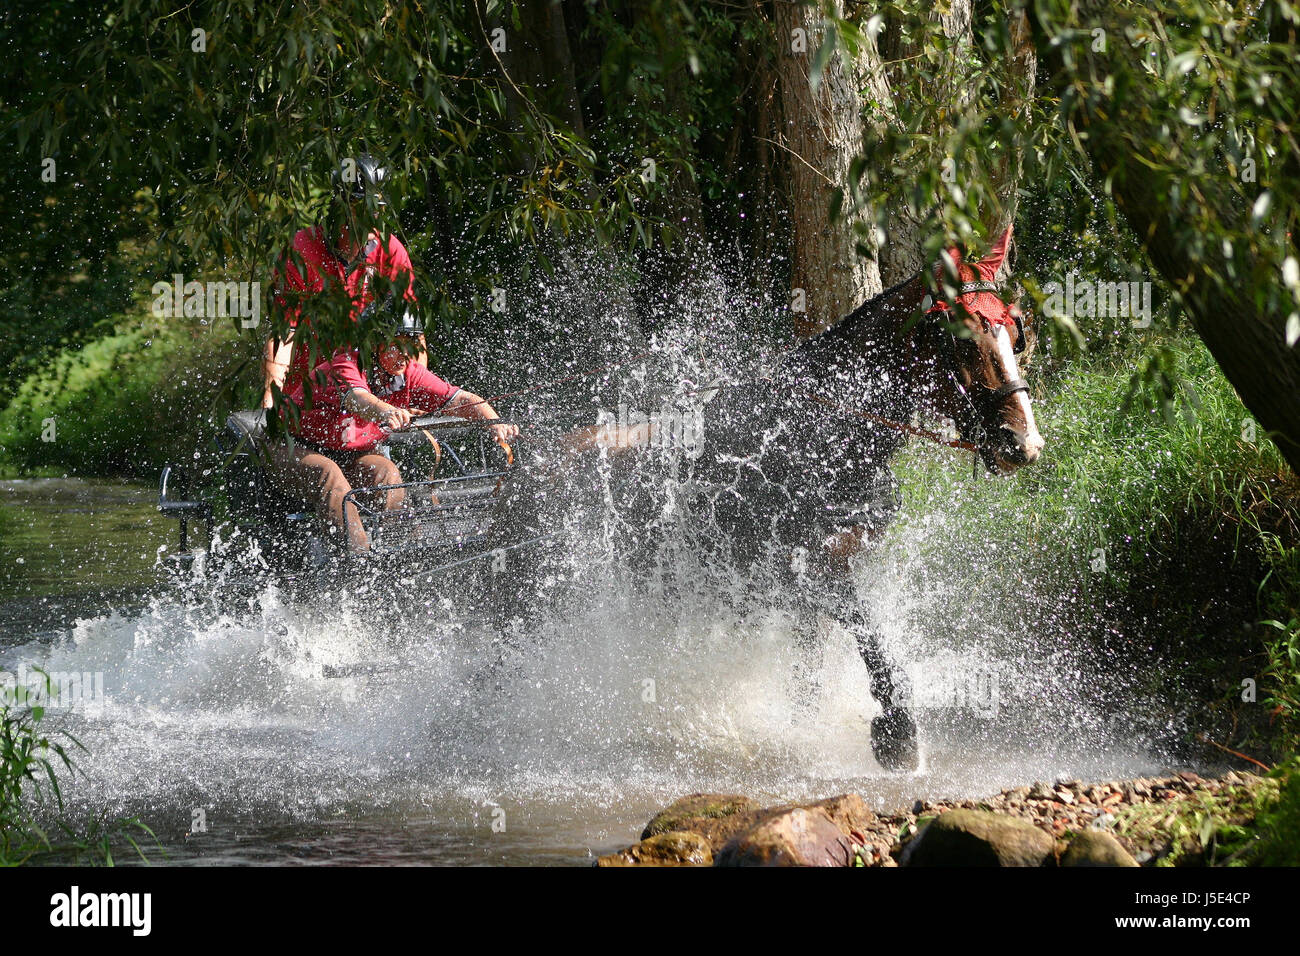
<point>28,762</point>
<point>33,761</point>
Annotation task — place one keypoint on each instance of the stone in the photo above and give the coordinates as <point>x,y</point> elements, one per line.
<point>848,811</point>
<point>673,848</point>
<point>797,837</point>
<point>1096,848</point>
<point>978,838</point>
<point>709,806</point>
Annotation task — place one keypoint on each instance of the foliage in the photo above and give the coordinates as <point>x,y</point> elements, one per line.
<point>28,760</point>
<point>1251,823</point>
<point>1137,499</point>
<point>127,402</point>
<point>247,108</point>
<point>1209,93</point>
<point>31,762</point>
<point>1125,464</point>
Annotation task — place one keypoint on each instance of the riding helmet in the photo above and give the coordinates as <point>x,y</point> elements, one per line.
<point>395,318</point>
<point>361,177</point>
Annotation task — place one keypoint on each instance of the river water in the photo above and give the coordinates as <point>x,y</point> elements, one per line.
<point>219,725</point>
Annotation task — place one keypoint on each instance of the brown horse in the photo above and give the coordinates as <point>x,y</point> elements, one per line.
<point>795,477</point>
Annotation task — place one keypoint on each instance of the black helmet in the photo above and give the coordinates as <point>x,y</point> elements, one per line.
<point>408,323</point>
<point>361,177</point>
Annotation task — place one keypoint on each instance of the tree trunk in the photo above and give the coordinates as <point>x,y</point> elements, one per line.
<point>538,56</point>
<point>901,255</point>
<point>823,133</point>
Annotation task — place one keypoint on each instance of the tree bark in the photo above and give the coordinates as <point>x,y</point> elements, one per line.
<point>901,254</point>
<point>823,132</point>
<point>538,56</point>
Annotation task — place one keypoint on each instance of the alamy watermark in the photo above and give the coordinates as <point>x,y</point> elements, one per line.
<point>1089,298</point>
<point>213,299</point>
<point>668,429</point>
<point>956,684</point>
<point>53,690</point>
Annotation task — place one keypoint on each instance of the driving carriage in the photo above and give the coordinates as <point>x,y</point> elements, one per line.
<point>448,518</point>
<point>788,474</point>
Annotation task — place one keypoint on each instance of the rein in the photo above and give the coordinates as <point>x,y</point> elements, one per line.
<point>890,423</point>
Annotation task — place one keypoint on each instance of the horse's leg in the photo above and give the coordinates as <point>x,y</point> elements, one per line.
<point>893,732</point>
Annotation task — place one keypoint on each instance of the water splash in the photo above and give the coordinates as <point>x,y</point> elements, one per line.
<point>374,701</point>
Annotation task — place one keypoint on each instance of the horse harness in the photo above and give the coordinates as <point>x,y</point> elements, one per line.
<point>971,421</point>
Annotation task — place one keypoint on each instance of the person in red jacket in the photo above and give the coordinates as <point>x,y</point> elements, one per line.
<point>342,253</point>
<point>335,444</point>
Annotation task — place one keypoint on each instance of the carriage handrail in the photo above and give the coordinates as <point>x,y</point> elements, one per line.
<point>181,510</point>
<point>486,497</point>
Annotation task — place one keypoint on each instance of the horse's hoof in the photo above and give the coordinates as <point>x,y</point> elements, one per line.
<point>893,740</point>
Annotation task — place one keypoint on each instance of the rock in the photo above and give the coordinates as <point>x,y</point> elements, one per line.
<point>1065,796</point>
<point>848,811</point>
<point>709,806</point>
<point>674,848</point>
<point>1041,791</point>
<point>798,837</point>
<point>978,838</point>
<point>1096,848</point>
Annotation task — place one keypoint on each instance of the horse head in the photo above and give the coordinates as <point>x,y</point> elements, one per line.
<point>973,346</point>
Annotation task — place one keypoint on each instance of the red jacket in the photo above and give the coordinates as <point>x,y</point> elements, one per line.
<point>320,261</point>
<point>328,425</point>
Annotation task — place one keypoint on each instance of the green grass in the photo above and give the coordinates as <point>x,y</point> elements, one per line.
<point>1128,478</point>
<point>1256,823</point>
<point>125,403</point>
<point>32,761</point>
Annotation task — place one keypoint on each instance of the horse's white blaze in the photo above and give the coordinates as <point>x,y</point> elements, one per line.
<point>1031,443</point>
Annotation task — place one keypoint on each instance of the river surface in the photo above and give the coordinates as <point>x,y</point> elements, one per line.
<point>215,719</point>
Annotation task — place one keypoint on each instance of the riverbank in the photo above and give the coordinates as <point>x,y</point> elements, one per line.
<point>1181,819</point>
<point>119,406</point>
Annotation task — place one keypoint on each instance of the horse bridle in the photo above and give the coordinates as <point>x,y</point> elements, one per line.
<point>984,285</point>
<point>970,420</point>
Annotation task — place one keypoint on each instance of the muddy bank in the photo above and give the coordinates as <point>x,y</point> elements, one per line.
<point>1182,819</point>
